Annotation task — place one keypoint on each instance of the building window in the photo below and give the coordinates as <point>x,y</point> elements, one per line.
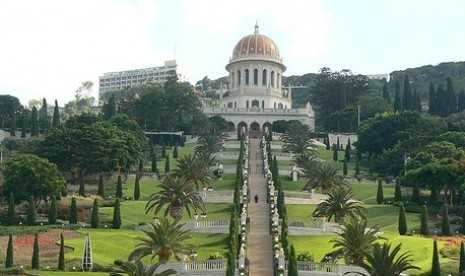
<point>238,77</point>
<point>233,79</point>
<point>280,106</point>
<point>264,81</point>
<point>272,79</point>
<point>246,76</point>
<point>255,76</point>
<point>278,81</point>
<point>274,105</point>
<point>247,104</point>
<point>235,104</point>
<point>255,103</point>
<point>263,104</point>
<point>230,104</point>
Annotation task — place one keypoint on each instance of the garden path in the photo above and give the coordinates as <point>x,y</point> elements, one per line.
<point>260,251</point>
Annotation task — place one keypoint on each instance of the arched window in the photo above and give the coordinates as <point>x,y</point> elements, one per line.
<point>255,76</point>
<point>272,79</point>
<point>280,106</point>
<point>247,104</point>
<point>230,104</point>
<point>274,105</point>
<point>246,76</point>
<point>238,77</point>
<point>255,103</point>
<point>235,104</point>
<point>278,81</point>
<point>263,104</point>
<point>264,80</point>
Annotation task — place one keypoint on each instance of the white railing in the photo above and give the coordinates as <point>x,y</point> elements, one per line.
<point>306,268</point>
<point>220,193</point>
<point>206,265</point>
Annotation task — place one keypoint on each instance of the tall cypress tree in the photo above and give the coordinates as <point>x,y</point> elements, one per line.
<point>435,267</point>
<point>424,229</point>
<point>56,115</point>
<point>61,256</point>
<point>432,101</point>
<point>397,99</point>
<point>344,167</point>
<point>136,188</point>
<point>119,187</point>
<point>462,260</point>
<point>163,150</point>
<point>347,153</point>
<point>335,154</point>
<point>154,163</point>
<point>116,215</point>
<point>451,98</point>
<point>442,101</point>
<point>397,191</point>
<point>35,263</point>
<point>416,193</point>
<point>167,164</point>
<point>175,151</point>
<point>52,213</point>
<point>43,117</point>
<point>380,193</point>
<point>34,122</point>
<point>461,101</point>
<point>31,211</point>
<point>101,187</point>
<point>94,218</point>
<point>9,261</point>
<point>445,226</point>
<point>407,100</point>
<point>357,165</point>
<point>73,212</point>
<point>417,101</point>
<point>11,210</point>
<point>402,220</point>
<point>386,93</point>
<point>292,267</point>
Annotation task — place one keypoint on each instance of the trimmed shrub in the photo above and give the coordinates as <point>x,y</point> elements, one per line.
<point>397,191</point>
<point>73,212</point>
<point>416,193</point>
<point>116,215</point>
<point>402,220</point>
<point>137,188</point>
<point>175,151</point>
<point>82,188</point>
<point>9,253</point>
<point>101,186</point>
<point>154,163</point>
<point>94,219</point>
<point>344,167</point>
<point>424,229</point>
<point>52,212</point>
<point>119,187</point>
<point>462,259</point>
<point>335,154</point>
<point>35,263</point>
<point>380,193</point>
<point>435,267</point>
<point>61,256</point>
<point>167,164</point>
<point>31,211</point>
<point>445,226</point>
<point>292,267</point>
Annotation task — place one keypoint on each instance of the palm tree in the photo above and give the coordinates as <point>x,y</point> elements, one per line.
<point>325,176</point>
<point>298,139</point>
<point>339,203</point>
<point>163,239</point>
<point>211,142</point>
<point>137,268</point>
<point>194,170</point>
<point>354,241</point>
<point>177,195</point>
<point>381,261</point>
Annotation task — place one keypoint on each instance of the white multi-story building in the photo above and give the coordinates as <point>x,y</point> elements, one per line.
<point>113,81</point>
<point>255,97</point>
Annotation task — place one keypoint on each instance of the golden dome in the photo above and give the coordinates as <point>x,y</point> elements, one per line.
<point>256,44</point>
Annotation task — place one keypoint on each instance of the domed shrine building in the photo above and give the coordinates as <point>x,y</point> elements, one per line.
<point>255,96</point>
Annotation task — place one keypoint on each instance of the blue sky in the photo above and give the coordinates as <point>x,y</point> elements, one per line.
<point>49,47</point>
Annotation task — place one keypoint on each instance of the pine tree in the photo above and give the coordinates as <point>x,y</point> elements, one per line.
<point>386,93</point>
<point>154,163</point>
<point>167,164</point>
<point>461,101</point>
<point>292,267</point>
<point>9,261</point>
<point>119,187</point>
<point>462,260</point>
<point>101,187</point>
<point>82,188</point>
<point>432,101</point>
<point>34,122</point>
<point>335,154</point>
<point>136,188</point>
<point>117,215</point>
<point>52,213</point>
<point>402,220</point>
<point>35,263</point>
<point>94,219</point>
<point>397,191</point>
<point>175,151</point>
<point>435,267</point>
<point>380,193</point>
<point>73,212</point>
<point>61,256</point>
<point>445,226</point>
<point>56,115</point>
<point>344,167</point>
<point>424,229</point>
<point>11,210</point>
<point>31,211</point>
<point>397,99</point>
<point>407,101</point>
